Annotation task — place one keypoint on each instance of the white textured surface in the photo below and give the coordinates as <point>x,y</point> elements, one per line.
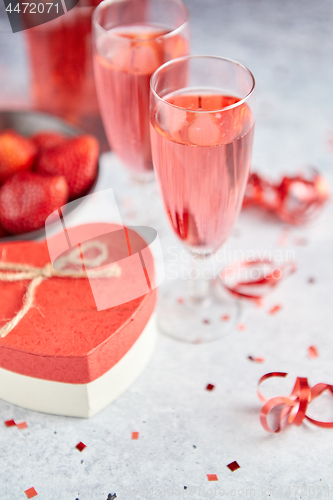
<point>288,45</point>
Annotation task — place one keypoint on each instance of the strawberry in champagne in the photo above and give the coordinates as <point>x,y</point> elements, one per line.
<point>126,57</point>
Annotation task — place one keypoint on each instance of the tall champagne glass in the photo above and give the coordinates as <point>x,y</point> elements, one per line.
<point>201,132</point>
<point>132,38</point>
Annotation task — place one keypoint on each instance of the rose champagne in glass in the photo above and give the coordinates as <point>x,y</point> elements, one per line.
<point>202,131</point>
<point>131,40</point>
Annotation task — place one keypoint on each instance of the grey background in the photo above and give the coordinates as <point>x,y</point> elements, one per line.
<point>288,45</point>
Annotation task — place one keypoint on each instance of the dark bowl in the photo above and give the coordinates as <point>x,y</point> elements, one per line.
<point>28,123</point>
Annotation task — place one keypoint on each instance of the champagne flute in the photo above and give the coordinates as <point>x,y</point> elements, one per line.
<point>201,133</point>
<point>132,39</point>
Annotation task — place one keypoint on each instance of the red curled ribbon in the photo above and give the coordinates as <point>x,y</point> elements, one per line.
<point>296,200</point>
<point>252,280</point>
<point>295,405</point>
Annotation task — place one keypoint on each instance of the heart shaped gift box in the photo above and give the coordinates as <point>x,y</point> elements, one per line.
<point>73,353</point>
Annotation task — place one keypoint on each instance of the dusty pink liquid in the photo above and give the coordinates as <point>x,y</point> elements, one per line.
<point>61,63</point>
<point>202,163</point>
<point>124,63</point>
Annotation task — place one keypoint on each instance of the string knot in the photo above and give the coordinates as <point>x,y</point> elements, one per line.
<point>47,271</point>
<point>36,275</point>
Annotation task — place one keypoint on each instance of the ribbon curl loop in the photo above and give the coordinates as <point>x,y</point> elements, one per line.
<point>252,280</point>
<point>295,200</point>
<point>294,406</point>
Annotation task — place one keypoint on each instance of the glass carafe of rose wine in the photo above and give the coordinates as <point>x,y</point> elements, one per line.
<point>61,68</point>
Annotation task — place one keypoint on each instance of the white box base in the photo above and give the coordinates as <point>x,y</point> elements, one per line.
<point>80,400</point>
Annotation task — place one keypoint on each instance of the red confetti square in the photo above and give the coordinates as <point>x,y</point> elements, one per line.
<point>212,477</point>
<point>206,322</point>
<point>10,423</point>
<point>256,360</point>
<point>241,327</point>
<point>233,466</point>
<point>301,242</point>
<point>22,425</point>
<point>127,202</point>
<point>225,317</point>
<point>210,387</point>
<point>282,241</point>
<point>312,352</point>
<point>329,140</point>
<point>275,309</point>
<point>259,302</point>
<point>180,300</point>
<point>135,435</point>
<point>31,492</point>
<point>81,446</point>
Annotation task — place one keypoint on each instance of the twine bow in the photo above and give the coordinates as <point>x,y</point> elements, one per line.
<point>295,405</point>
<point>38,274</point>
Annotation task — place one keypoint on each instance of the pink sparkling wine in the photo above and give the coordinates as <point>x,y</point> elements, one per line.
<point>202,162</point>
<point>61,64</point>
<point>124,64</point>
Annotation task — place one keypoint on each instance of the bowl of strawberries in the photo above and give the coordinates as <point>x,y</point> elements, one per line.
<point>44,163</point>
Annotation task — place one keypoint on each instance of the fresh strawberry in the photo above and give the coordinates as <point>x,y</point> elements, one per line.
<point>16,153</point>
<point>75,159</point>
<point>27,199</point>
<point>45,140</point>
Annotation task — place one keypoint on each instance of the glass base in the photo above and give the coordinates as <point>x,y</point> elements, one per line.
<point>184,319</point>
<point>142,177</point>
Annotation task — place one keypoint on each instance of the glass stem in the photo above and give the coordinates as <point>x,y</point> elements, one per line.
<point>199,277</point>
